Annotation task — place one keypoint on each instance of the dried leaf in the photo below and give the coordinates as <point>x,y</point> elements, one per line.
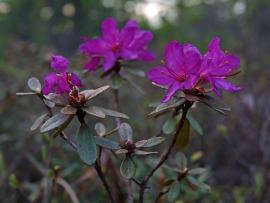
<point>69,110</point>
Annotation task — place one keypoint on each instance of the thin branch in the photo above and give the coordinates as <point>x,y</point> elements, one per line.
<point>104,181</point>
<point>166,155</point>
<point>68,189</point>
<point>68,140</point>
<point>160,194</point>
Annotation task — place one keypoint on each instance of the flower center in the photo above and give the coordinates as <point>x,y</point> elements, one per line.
<point>115,47</point>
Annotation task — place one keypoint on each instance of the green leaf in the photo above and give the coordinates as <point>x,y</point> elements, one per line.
<point>38,122</point>
<point>150,142</point>
<point>54,122</point>
<point>125,132</point>
<point>13,182</point>
<point>163,108</point>
<point>196,156</point>
<point>134,84</point>
<point>170,125</point>
<point>86,145</point>
<point>106,143</point>
<point>100,129</point>
<point>181,161</point>
<point>136,72</point>
<point>141,152</point>
<point>117,81</point>
<point>112,113</point>
<point>95,111</point>
<point>174,191</point>
<point>89,94</point>
<point>34,84</point>
<point>197,171</point>
<point>195,125</point>
<point>183,136</point>
<point>197,184</point>
<point>128,168</point>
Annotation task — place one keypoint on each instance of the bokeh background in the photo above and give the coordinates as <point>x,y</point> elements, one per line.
<point>234,147</point>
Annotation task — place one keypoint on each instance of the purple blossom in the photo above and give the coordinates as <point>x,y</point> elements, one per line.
<point>62,81</point>
<point>180,69</point>
<point>130,43</point>
<point>217,66</point>
<point>185,69</point>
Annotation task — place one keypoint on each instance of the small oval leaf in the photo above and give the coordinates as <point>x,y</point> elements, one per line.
<point>89,94</point>
<point>38,122</point>
<point>174,191</point>
<point>128,168</point>
<point>125,132</point>
<point>170,125</point>
<point>181,161</point>
<point>106,143</point>
<point>86,145</point>
<point>34,84</point>
<point>183,136</point>
<point>112,113</point>
<point>197,171</point>
<point>95,111</point>
<point>195,125</point>
<point>153,141</point>
<point>54,122</point>
<point>100,129</point>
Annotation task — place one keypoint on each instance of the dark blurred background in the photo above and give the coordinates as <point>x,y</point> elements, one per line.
<point>234,147</point>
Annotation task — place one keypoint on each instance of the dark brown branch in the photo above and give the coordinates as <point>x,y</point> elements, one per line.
<point>104,181</point>
<point>167,153</point>
<point>160,194</point>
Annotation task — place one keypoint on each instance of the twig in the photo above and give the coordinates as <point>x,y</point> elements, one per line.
<point>68,189</point>
<point>104,181</point>
<point>166,155</point>
<point>68,140</point>
<point>160,194</point>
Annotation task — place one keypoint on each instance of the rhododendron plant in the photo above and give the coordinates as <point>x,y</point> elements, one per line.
<point>188,76</point>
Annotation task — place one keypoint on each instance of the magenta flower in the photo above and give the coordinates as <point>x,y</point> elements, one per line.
<point>217,66</point>
<point>185,69</point>
<point>180,69</point>
<point>127,44</point>
<point>61,81</point>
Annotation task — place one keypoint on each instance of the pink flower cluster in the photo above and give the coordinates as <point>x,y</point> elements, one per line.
<point>186,69</point>
<point>60,81</point>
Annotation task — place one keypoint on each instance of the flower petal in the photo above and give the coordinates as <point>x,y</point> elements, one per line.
<point>92,64</point>
<point>174,56</point>
<point>109,61</point>
<point>146,55</point>
<point>171,91</point>
<point>59,63</point>
<point>160,75</point>
<point>75,81</point>
<point>109,28</point>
